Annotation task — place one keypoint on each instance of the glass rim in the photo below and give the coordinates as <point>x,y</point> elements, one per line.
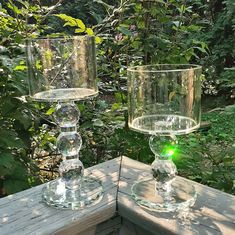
<point>144,68</point>
<point>60,38</point>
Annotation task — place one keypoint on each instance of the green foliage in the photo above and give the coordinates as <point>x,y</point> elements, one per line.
<point>208,156</point>
<point>89,11</point>
<point>226,82</point>
<point>220,38</point>
<point>18,20</point>
<point>80,27</point>
<point>147,32</point>
<point>70,21</point>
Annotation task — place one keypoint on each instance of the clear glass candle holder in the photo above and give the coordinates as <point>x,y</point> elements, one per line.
<point>164,101</point>
<point>62,71</point>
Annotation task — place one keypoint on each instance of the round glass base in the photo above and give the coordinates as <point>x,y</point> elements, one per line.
<point>183,196</point>
<point>88,193</point>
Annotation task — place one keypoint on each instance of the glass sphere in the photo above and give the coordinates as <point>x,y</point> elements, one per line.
<point>66,114</point>
<point>71,172</point>
<point>163,147</point>
<point>69,143</point>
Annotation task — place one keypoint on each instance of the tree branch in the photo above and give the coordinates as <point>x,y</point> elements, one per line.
<point>52,9</point>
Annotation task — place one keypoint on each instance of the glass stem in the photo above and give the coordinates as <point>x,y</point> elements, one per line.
<point>163,168</point>
<point>69,144</point>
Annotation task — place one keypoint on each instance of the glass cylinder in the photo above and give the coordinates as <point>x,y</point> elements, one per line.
<point>164,99</point>
<point>62,68</point>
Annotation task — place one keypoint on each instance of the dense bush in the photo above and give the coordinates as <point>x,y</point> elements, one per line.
<point>19,123</point>
<point>219,34</point>
<point>208,156</point>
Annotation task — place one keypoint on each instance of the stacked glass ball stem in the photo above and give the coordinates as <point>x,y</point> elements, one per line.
<point>62,71</point>
<point>164,101</point>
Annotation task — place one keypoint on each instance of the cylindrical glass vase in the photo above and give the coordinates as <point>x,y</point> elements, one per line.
<point>63,70</point>
<point>164,101</point>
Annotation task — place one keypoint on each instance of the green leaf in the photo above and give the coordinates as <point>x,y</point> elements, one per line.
<point>182,8</point>
<point>72,24</point>
<point>201,49</point>
<point>171,95</point>
<point>115,106</point>
<point>136,44</point>
<point>24,119</point>
<point>98,40</point>
<point>125,31</point>
<point>7,160</point>
<point>80,24</point>
<point>79,30</point>
<point>50,111</point>
<point>13,7</point>
<point>195,28</point>
<point>69,20</point>
<point>89,31</point>
<point>39,63</point>
<point>7,107</point>
<point>81,107</point>
<point>20,67</point>
<point>10,139</point>
<point>13,185</point>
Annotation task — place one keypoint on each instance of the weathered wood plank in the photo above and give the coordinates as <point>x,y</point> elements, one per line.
<point>109,227</point>
<point>213,212</point>
<point>90,231</point>
<point>24,213</point>
<point>129,228</point>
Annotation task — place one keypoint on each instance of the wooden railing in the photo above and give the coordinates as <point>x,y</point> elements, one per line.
<point>24,213</point>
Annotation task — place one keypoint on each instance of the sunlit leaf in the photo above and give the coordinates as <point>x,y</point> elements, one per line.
<point>79,30</point>
<point>69,20</point>
<point>98,40</point>
<point>20,67</point>
<point>171,95</point>
<point>50,111</point>
<point>89,31</point>
<point>80,24</point>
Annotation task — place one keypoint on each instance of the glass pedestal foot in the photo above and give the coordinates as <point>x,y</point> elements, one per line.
<point>183,196</point>
<point>88,193</point>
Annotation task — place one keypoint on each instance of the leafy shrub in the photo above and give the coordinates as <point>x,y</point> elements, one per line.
<point>208,156</point>
<point>226,82</point>
<point>220,38</point>
<point>18,21</point>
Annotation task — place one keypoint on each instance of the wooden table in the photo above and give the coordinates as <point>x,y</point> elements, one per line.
<point>24,213</point>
